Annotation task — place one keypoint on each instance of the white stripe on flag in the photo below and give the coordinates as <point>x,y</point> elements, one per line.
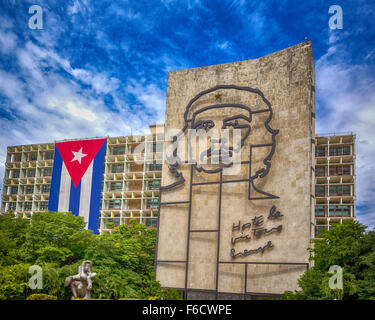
<point>64,194</point>
<point>84,202</point>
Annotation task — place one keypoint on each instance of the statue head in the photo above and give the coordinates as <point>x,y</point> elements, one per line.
<point>86,267</point>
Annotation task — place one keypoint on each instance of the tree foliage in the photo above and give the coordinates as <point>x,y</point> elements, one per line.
<point>58,242</point>
<point>12,236</point>
<point>55,237</point>
<point>349,246</point>
<point>41,296</point>
<point>14,281</point>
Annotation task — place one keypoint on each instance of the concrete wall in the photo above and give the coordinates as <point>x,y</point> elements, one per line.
<point>286,78</point>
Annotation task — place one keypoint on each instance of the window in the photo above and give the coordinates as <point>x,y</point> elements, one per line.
<point>334,151</point>
<point>339,151</point>
<point>152,203</point>
<point>319,229</point>
<point>115,186</point>
<point>48,156</point>
<point>339,190</point>
<point>155,184</point>
<point>333,171</point>
<point>47,172</point>
<point>31,173</point>
<point>339,170</point>
<point>320,171</point>
<point>319,211</point>
<point>339,211</point>
<point>16,174</point>
<point>151,222</point>
<point>155,167</point>
<point>345,210</point>
<point>320,152</point>
<point>29,189</point>
<point>117,168</point>
<point>346,170</point>
<point>12,206</point>
<point>14,190</point>
<point>28,206</point>
<point>45,188</point>
<point>32,156</point>
<point>114,204</point>
<point>345,190</point>
<point>44,205</point>
<point>118,150</point>
<point>320,191</point>
<point>17,158</point>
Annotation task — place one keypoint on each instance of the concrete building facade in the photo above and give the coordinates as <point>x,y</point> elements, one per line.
<point>241,234</point>
<point>335,179</point>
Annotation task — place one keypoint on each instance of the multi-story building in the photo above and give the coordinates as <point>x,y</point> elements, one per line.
<point>334,180</point>
<point>131,179</point>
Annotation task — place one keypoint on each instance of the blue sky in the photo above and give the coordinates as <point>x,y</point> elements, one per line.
<point>99,68</point>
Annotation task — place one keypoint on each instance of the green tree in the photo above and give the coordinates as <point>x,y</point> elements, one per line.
<point>12,236</point>
<point>55,237</point>
<point>14,281</point>
<point>124,261</point>
<point>59,243</point>
<point>349,246</point>
<point>365,268</point>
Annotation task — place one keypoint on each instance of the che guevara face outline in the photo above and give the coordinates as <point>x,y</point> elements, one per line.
<point>230,121</point>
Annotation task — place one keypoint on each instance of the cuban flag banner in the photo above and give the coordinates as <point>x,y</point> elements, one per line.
<point>77,179</point>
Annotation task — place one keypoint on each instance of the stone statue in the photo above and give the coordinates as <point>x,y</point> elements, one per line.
<point>81,283</point>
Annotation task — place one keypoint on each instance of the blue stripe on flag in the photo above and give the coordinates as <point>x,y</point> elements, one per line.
<point>96,189</point>
<point>53,202</point>
<point>75,195</point>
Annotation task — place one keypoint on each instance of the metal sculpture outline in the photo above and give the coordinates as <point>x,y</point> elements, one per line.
<point>233,122</point>
<point>173,168</point>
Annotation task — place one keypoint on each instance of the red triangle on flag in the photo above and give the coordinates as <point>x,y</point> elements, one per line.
<point>78,155</point>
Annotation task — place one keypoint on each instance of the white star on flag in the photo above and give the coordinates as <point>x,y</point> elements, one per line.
<point>78,155</point>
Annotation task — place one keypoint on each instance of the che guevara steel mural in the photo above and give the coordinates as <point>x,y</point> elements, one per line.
<point>242,120</point>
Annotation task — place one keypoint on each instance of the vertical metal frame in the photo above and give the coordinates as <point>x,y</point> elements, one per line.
<point>186,289</point>
<point>178,175</point>
<point>188,232</point>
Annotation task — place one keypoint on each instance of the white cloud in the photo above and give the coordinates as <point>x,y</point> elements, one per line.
<point>190,4</point>
<point>346,101</point>
<point>368,219</point>
<point>369,55</point>
<point>150,97</point>
<point>101,82</point>
<point>42,103</point>
<point>224,45</point>
<point>77,7</point>
<point>7,42</point>
<point>79,111</point>
<point>74,8</point>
